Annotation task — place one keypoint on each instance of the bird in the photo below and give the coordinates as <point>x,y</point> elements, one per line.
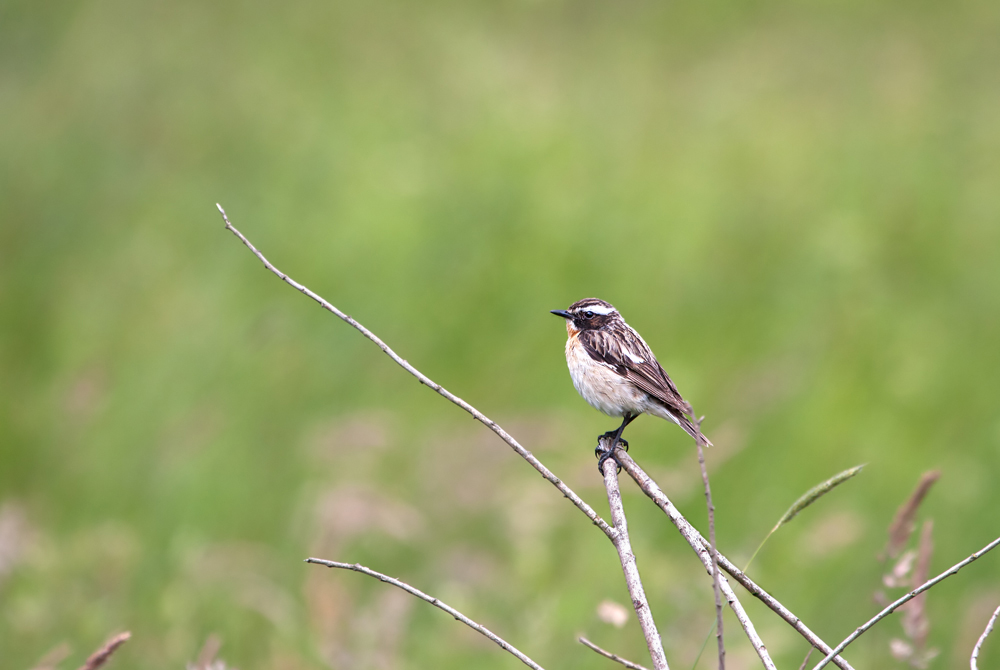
<point>616,372</point>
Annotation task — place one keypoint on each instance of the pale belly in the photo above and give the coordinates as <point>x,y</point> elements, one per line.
<point>601,386</point>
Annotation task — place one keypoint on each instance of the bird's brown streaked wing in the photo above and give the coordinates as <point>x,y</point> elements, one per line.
<point>641,368</point>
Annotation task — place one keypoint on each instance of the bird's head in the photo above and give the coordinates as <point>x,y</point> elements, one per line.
<point>588,314</point>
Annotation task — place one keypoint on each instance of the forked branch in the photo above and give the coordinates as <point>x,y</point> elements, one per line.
<point>701,548</point>
<point>479,628</point>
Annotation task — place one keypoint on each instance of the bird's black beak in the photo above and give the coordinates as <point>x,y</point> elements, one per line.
<point>561,312</point>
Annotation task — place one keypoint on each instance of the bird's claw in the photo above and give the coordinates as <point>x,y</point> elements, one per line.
<point>605,454</point>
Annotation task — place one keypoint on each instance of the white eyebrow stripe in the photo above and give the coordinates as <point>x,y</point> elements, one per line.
<point>635,359</point>
<point>596,309</point>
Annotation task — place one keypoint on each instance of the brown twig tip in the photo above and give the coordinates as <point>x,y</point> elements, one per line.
<point>101,656</point>
<point>607,654</point>
<point>903,524</point>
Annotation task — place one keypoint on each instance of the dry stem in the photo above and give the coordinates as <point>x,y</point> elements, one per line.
<point>479,628</point>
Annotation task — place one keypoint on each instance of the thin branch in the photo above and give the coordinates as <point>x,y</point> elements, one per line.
<point>624,547</point>
<point>806,659</point>
<point>979,643</point>
<point>701,548</point>
<point>101,656</point>
<point>426,381</point>
<point>479,628</point>
<point>715,552</point>
<point>614,657</point>
<point>908,597</point>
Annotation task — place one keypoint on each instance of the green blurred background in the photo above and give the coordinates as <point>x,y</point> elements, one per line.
<point>796,204</point>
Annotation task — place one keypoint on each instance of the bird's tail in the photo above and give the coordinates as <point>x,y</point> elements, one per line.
<point>692,427</point>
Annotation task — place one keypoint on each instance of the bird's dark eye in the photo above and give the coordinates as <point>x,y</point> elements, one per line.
<point>589,314</point>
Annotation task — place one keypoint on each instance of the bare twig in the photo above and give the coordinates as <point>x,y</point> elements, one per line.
<point>979,643</point>
<point>624,547</point>
<point>607,654</point>
<point>902,525</point>
<point>101,656</point>
<point>715,552</point>
<point>702,549</point>
<point>806,659</point>
<point>427,381</point>
<point>908,597</point>
<point>479,628</point>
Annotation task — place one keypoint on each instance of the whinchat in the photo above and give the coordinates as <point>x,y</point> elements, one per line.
<point>616,372</point>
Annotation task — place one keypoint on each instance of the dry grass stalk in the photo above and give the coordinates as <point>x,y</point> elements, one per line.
<point>805,661</point>
<point>607,654</point>
<point>812,495</point>
<point>903,523</point>
<point>101,656</point>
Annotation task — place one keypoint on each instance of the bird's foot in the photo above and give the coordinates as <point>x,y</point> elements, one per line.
<point>604,454</point>
<point>610,434</point>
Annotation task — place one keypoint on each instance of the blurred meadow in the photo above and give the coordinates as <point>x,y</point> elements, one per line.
<point>796,204</point>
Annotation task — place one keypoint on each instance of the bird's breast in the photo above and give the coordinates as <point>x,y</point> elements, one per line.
<point>603,388</point>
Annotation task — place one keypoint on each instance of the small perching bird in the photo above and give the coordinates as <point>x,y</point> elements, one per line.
<point>616,372</point>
